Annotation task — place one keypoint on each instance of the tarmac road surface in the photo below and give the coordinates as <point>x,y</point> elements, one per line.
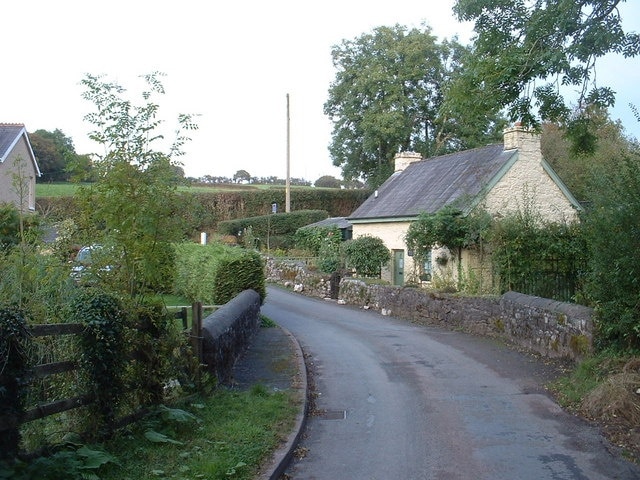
<point>396,401</point>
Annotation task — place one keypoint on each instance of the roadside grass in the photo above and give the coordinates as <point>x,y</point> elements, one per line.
<point>605,389</point>
<point>586,377</point>
<point>227,435</point>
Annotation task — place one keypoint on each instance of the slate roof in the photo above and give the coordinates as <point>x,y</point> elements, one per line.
<point>428,185</point>
<point>340,222</point>
<point>10,134</point>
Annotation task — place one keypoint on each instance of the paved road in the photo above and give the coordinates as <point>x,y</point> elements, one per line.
<point>397,401</point>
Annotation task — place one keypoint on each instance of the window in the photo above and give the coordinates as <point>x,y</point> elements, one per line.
<point>426,268</point>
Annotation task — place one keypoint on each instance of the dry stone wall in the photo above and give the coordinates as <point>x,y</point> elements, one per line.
<point>550,328</point>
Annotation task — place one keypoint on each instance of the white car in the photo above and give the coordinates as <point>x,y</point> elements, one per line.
<point>85,259</point>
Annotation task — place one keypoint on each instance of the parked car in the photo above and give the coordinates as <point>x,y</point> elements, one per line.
<point>88,257</point>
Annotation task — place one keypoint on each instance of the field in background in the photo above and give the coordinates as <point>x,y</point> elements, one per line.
<point>68,189</point>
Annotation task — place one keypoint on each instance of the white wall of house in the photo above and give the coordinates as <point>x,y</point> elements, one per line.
<point>527,185</point>
<point>392,234</point>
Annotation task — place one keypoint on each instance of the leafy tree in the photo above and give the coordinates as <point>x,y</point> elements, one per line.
<point>367,254</point>
<point>327,181</point>
<point>526,54</point>
<point>613,235</point>
<point>385,98</point>
<point>577,168</point>
<point>131,207</point>
<point>241,176</point>
<point>55,153</point>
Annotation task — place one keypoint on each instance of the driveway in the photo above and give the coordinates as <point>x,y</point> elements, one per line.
<point>394,401</point>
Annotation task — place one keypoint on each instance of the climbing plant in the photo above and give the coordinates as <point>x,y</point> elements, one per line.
<point>14,369</point>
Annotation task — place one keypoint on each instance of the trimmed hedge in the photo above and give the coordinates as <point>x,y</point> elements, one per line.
<point>202,210</point>
<point>279,227</point>
<point>215,273</point>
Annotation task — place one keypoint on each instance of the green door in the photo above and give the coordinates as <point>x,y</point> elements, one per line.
<point>398,267</point>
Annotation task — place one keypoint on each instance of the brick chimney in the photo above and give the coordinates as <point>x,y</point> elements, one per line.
<point>403,159</point>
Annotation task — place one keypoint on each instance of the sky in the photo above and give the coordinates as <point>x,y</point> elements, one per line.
<point>231,63</point>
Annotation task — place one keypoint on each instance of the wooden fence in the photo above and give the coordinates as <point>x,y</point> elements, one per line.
<point>194,333</point>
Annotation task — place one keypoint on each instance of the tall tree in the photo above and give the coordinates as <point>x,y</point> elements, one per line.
<point>578,168</point>
<point>54,152</point>
<point>131,207</point>
<point>528,54</point>
<point>386,97</point>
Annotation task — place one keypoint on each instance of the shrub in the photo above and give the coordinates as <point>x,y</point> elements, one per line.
<point>215,273</point>
<point>313,238</point>
<point>366,254</point>
<point>275,230</point>
<point>104,353</point>
<point>613,236</point>
<point>13,371</point>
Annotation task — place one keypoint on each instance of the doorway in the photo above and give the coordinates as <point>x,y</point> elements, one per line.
<point>398,267</point>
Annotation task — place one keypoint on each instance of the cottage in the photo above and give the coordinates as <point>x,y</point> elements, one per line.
<point>500,178</point>
<point>18,167</point>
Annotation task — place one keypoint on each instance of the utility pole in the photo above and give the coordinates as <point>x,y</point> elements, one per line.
<point>287,202</point>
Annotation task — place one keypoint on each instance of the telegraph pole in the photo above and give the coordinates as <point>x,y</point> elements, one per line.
<point>287,204</point>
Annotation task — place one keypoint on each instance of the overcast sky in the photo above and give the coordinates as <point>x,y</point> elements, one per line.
<point>233,63</point>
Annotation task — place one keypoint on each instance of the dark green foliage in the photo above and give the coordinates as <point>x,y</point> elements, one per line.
<point>612,230</point>
<point>237,273</point>
<point>276,230</point>
<point>542,259</point>
<point>55,153</point>
<point>524,51</point>
<point>14,368</point>
<point>313,238</point>
<point>132,207</point>
<point>104,352</point>
<point>386,98</point>
<point>69,463</point>
<point>219,206</point>
<point>9,226</point>
<point>199,268</point>
<point>201,211</point>
<point>15,227</point>
<point>448,227</point>
<point>327,181</point>
<point>154,345</point>
<point>367,255</point>
<point>330,256</point>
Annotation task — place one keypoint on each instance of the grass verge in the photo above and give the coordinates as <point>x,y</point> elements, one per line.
<point>227,435</point>
<point>605,389</point>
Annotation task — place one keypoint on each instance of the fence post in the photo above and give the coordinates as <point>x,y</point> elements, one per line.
<point>185,318</point>
<point>196,336</point>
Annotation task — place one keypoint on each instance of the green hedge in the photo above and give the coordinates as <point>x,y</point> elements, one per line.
<point>202,210</point>
<point>215,273</point>
<point>280,228</point>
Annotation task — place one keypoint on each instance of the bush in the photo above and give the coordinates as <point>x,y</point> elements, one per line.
<point>313,238</point>
<point>104,353</point>
<point>215,273</point>
<point>275,230</point>
<point>613,236</point>
<point>13,372</point>
<point>366,254</point>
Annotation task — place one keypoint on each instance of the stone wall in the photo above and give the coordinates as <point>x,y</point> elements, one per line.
<point>550,328</point>
<point>227,331</point>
